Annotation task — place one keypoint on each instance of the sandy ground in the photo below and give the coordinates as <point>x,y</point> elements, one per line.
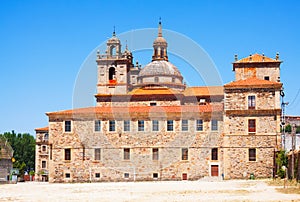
<point>239,190</point>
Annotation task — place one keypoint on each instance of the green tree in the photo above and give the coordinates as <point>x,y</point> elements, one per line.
<point>288,128</point>
<point>281,160</point>
<point>24,150</point>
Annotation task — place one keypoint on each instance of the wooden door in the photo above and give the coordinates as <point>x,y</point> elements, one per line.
<point>214,170</point>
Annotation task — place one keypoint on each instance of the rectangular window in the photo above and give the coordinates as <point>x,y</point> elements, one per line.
<point>97,175</point>
<point>97,154</point>
<point>126,175</point>
<point>267,78</point>
<point>126,125</point>
<point>251,126</point>
<point>252,154</point>
<point>68,126</point>
<point>251,102</point>
<point>214,125</point>
<point>155,125</point>
<point>152,103</point>
<point>155,155</point>
<point>68,175</point>
<point>199,125</point>
<point>155,175</point>
<point>43,164</point>
<point>112,125</point>
<point>97,125</point>
<point>214,154</point>
<point>44,148</point>
<point>141,126</point>
<point>184,154</point>
<point>67,154</point>
<point>169,125</point>
<point>185,125</point>
<point>126,154</point>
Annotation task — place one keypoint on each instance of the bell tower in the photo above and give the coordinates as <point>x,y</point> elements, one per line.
<point>113,68</point>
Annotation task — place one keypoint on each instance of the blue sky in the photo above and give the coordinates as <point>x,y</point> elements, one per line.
<point>44,43</point>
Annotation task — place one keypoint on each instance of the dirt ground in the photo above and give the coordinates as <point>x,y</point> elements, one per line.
<point>233,190</point>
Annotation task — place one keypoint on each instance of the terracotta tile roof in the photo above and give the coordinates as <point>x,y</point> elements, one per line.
<point>204,91</point>
<point>253,82</point>
<point>140,109</point>
<point>42,129</point>
<point>152,91</point>
<point>256,58</point>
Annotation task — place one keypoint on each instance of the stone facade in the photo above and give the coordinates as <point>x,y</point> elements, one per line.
<point>154,127</point>
<point>42,152</point>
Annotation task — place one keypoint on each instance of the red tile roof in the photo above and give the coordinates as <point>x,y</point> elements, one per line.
<point>140,109</point>
<point>253,82</point>
<point>204,91</point>
<point>256,58</point>
<point>42,129</point>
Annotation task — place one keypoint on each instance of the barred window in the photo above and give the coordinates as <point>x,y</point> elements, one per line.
<point>170,125</point>
<point>68,126</point>
<point>112,125</point>
<point>184,125</point>
<point>251,102</point>
<point>155,125</point>
<point>199,125</point>
<point>214,125</point>
<point>141,125</point>
<point>126,125</point>
<point>97,125</point>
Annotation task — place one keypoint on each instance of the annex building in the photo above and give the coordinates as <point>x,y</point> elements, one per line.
<point>148,125</point>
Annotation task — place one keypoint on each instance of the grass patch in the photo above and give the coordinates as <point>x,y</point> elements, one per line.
<point>280,182</point>
<point>289,190</point>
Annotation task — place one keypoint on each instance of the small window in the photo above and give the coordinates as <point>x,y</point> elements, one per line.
<point>173,80</point>
<point>141,125</point>
<point>126,125</point>
<point>267,78</point>
<point>155,155</point>
<point>202,101</point>
<point>214,154</point>
<point>67,154</point>
<point>97,125</point>
<point>67,126</point>
<point>126,154</point>
<point>46,136</point>
<point>252,154</point>
<point>156,79</point>
<point>251,126</point>
<point>184,125</point>
<point>155,125</point>
<point>251,102</point>
<point>126,175</point>
<point>112,125</point>
<point>214,125</point>
<point>152,103</point>
<point>184,154</point>
<point>155,175</point>
<point>170,125</point>
<point>44,148</point>
<point>68,175</point>
<point>97,154</point>
<point>97,175</point>
<point>199,125</point>
<point>43,164</point>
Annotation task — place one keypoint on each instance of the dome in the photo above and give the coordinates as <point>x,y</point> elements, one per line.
<point>159,68</point>
<point>160,40</point>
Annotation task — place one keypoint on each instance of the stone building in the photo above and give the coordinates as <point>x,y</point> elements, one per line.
<point>148,125</point>
<point>6,164</point>
<point>42,151</point>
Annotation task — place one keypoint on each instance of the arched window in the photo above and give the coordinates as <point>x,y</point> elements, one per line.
<point>113,50</point>
<point>162,53</point>
<point>112,73</point>
<point>46,136</point>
